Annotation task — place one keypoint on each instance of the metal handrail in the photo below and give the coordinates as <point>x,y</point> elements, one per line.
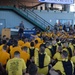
<point>37,18</point>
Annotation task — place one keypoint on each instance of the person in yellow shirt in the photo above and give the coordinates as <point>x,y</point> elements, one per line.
<point>1,47</point>
<point>58,42</point>
<point>32,51</point>
<point>16,65</point>
<point>20,42</point>
<point>68,49</point>
<point>26,43</point>
<point>73,60</point>
<point>4,42</point>
<point>42,60</point>
<point>37,44</point>
<point>73,43</point>
<point>4,56</point>
<point>15,48</point>
<point>65,66</point>
<point>39,39</point>
<point>73,57</point>
<point>48,49</point>
<point>71,46</point>
<point>57,56</point>
<point>54,47</point>
<point>24,54</point>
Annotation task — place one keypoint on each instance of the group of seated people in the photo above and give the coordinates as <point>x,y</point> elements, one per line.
<point>68,28</point>
<point>46,53</point>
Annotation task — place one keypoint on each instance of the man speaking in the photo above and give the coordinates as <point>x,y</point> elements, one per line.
<point>21,29</point>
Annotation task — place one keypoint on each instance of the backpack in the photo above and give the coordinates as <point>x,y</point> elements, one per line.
<point>70,51</point>
<point>41,60</point>
<point>53,50</point>
<point>67,67</point>
<point>74,70</point>
<point>31,52</point>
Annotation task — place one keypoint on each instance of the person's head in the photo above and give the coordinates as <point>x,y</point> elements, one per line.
<point>4,41</point>
<point>42,48</point>
<point>64,54</point>
<point>17,54</point>
<point>4,37</point>
<point>26,40</point>
<point>57,40</point>
<point>54,42</point>
<point>15,43</point>
<point>25,48</point>
<point>5,47</point>
<point>59,48</point>
<point>7,39</point>
<point>32,44</point>
<point>47,44</point>
<point>32,69</point>
<point>36,41</point>
<point>65,44</point>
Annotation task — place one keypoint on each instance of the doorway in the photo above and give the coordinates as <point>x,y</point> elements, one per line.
<point>2,24</point>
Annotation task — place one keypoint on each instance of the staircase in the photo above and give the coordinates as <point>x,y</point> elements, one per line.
<point>37,19</point>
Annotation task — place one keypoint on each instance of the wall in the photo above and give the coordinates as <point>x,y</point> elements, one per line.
<point>12,20</point>
<point>52,16</point>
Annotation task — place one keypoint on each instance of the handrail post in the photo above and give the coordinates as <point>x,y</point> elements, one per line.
<point>27,13</point>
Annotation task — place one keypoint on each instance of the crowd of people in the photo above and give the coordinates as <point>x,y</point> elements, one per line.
<point>46,53</point>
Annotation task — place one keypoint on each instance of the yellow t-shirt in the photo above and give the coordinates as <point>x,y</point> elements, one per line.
<point>73,59</point>
<point>59,66</point>
<point>48,51</point>
<point>35,51</point>
<point>20,42</point>
<point>72,48</point>
<point>1,47</point>
<point>24,55</point>
<point>4,56</point>
<point>17,48</point>
<point>39,40</point>
<point>11,47</point>
<point>27,44</point>
<point>57,56</point>
<point>15,66</point>
<point>47,60</point>
<point>37,45</point>
<point>65,49</point>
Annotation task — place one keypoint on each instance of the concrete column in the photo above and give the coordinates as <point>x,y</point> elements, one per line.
<point>66,7</point>
<point>47,6</point>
